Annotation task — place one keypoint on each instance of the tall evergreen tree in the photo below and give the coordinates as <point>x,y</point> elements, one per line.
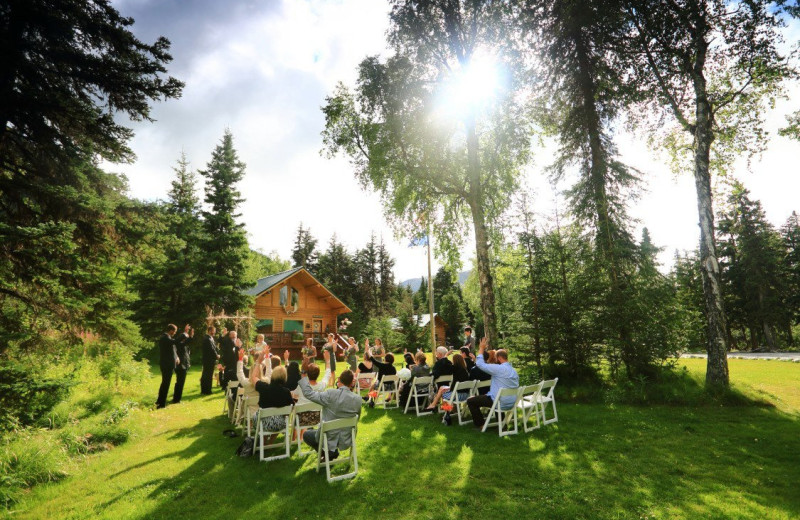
<point>790,232</point>
<point>386,283</point>
<point>336,269</point>
<point>304,253</point>
<point>165,285</point>
<point>221,272</point>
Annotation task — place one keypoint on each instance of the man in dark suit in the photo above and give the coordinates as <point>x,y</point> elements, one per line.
<point>210,357</point>
<point>230,356</point>
<point>168,360</point>
<point>184,356</point>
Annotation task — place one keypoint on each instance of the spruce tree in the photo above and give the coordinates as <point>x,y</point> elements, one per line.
<point>304,253</point>
<point>790,232</point>
<point>221,270</point>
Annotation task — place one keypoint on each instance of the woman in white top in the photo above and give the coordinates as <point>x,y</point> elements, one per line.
<point>259,346</point>
<point>261,371</point>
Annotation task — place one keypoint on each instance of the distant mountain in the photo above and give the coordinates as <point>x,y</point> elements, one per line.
<point>414,283</point>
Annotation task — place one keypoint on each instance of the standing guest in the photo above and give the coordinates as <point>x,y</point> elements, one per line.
<point>469,339</point>
<point>168,360</point>
<point>230,355</point>
<point>309,351</point>
<point>221,372</point>
<point>330,347</point>
<point>274,395</point>
<point>184,355</point>
<point>378,351</point>
<point>210,352</point>
<point>210,357</point>
<point>503,376</point>
<point>442,366</point>
<point>340,403</point>
<point>351,354</point>
<point>259,346</point>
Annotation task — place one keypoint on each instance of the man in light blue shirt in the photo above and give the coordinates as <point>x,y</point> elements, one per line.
<point>503,376</point>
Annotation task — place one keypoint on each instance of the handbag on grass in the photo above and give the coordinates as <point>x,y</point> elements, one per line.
<point>245,449</point>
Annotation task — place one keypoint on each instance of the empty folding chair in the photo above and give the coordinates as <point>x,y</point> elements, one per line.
<point>386,393</point>
<point>528,404</point>
<point>261,430</point>
<point>301,408</point>
<point>501,415</point>
<point>547,396</point>
<point>322,451</point>
<point>420,390</point>
<point>464,389</point>
<point>228,396</point>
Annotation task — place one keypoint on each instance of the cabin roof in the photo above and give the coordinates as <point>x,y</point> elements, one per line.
<point>265,284</point>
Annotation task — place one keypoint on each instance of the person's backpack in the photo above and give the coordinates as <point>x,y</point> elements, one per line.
<point>245,449</point>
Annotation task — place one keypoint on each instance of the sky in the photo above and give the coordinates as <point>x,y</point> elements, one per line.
<point>263,69</point>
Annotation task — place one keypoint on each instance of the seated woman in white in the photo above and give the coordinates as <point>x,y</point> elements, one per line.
<point>318,385</point>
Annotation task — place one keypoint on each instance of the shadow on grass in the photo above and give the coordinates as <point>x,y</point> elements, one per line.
<point>602,460</point>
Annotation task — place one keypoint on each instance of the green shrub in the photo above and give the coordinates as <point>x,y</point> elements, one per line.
<point>26,396</point>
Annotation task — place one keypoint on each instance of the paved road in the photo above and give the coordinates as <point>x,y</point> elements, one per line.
<point>783,356</point>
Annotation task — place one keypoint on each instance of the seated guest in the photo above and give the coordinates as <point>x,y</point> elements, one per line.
<point>365,367</point>
<point>340,403</point>
<point>409,360</point>
<point>318,385</point>
<point>292,375</point>
<point>383,369</point>
<point>503,376</point>
<point>479,375</point>
<point>466,354</point>
<point>258,373</point>
<point>420,368</point>
<point>460,373</point>
<point>442,366</point>
<point>274,395</point>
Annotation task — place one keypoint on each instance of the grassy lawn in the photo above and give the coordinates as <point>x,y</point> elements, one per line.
<point>599,461</point>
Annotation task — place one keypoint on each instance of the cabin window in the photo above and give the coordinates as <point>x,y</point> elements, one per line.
<point>284,296</point>
<point>293,326</point>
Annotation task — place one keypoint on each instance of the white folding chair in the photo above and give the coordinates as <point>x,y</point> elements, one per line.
<point>441,380</point>
<point>365,381</point>
<point>263,414</point>
<point>238,416</point>
<point>528,404</point>
<point>387,392</point>
<point>460,405</point>
<point>420,389</point>
<point>546,396</point>
<point>232,386</point>
<point>298,409</point>
<point>502,416</point>
<point>247,414</point>
<point>322,451</point>
<point>482,384</point>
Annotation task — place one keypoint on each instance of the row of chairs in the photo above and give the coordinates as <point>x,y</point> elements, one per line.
<point>291,414</point>
<point>531,401</point>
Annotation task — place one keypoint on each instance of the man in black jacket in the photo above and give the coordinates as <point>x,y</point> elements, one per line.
<point>168,360</point>
<point>184,356</point>
<point>230,355</point>
<point>210,357</point>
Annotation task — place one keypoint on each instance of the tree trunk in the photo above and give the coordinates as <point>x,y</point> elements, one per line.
<point>717,344</point>
<point>476,205</point>
<point>537,340</point>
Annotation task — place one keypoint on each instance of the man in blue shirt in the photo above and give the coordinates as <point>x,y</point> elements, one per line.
<point>503,376</point>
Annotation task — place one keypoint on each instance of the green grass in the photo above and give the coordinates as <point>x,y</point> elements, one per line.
<point>599,461</point>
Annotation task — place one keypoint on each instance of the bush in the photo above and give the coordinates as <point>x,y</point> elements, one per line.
<point>26,396</point>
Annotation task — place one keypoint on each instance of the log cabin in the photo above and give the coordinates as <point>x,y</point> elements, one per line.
<point>293,305</point>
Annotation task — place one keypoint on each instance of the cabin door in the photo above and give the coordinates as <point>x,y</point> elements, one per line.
<point>317,326</point>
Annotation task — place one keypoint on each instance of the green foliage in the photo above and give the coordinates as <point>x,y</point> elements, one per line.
<point>381,327</point>
<point>28,460</point>
<point>304,253</point>
<point>26,395</point>
<point>221,273</point>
